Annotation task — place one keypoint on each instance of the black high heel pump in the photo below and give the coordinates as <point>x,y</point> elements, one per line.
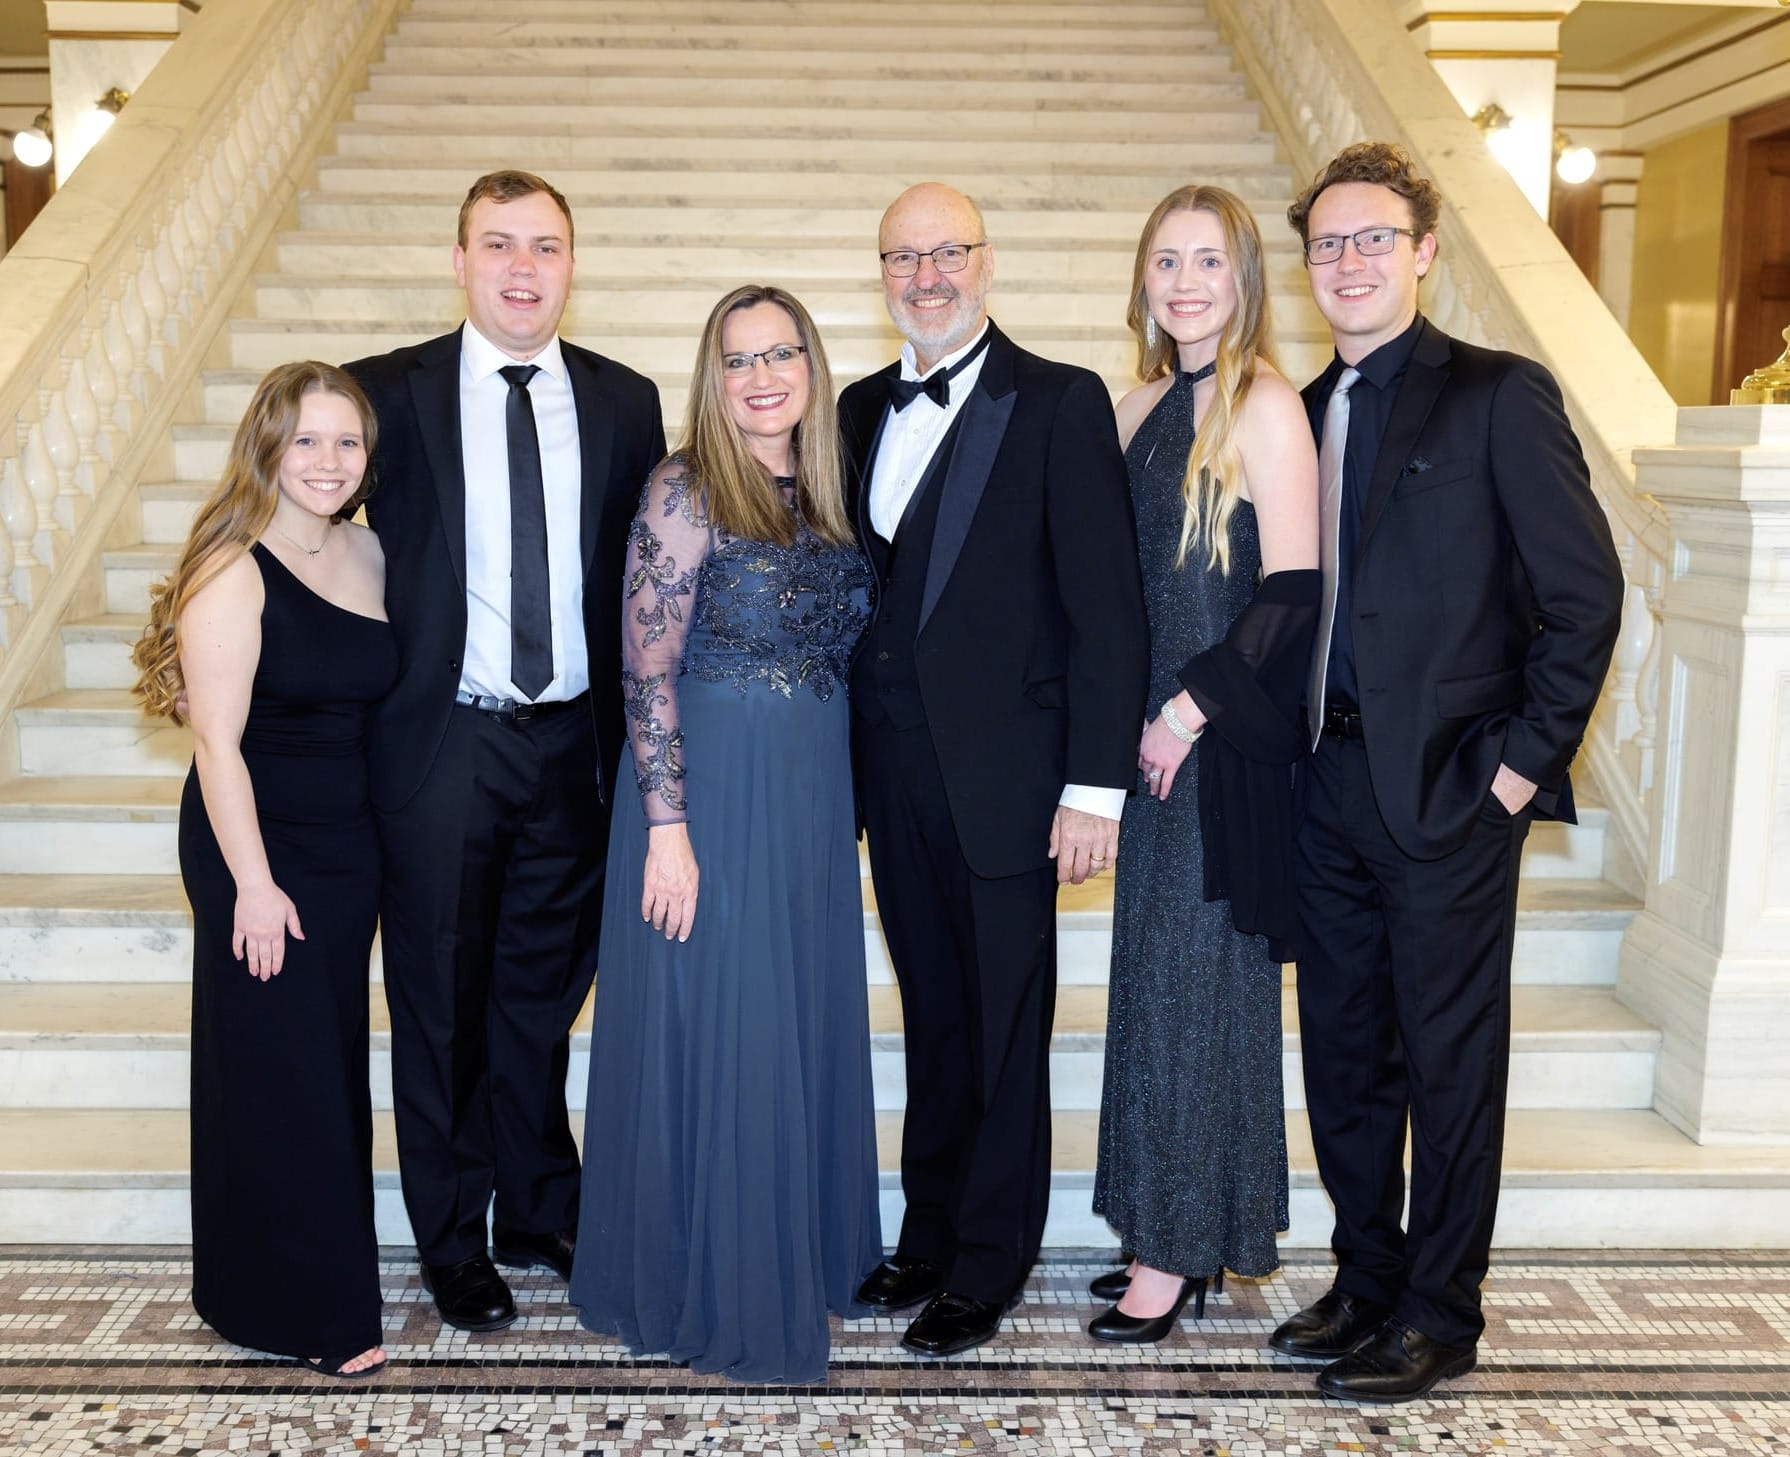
<point>1116,1326</point>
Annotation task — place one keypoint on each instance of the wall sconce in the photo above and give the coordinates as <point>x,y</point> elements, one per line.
<point>34,146</point>
<point>1501,136</point>
<point>1574,164</point>
<point>109,105</point>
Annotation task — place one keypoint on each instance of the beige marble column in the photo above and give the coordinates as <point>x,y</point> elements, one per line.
<point>1618,181</point>
<point>1708,958</point>
<point>1488,53</point>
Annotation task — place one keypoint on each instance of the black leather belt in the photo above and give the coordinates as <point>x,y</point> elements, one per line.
<point>1342,720</point>
<point>513,711</point>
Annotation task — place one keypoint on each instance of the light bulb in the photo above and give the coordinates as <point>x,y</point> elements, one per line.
<point>32,148</point>
<point>1575,165</point>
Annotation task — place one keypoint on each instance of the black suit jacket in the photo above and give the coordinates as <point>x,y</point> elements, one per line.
<point>1487,593</point>
<point>1033,651</point>
<point>418,507</point>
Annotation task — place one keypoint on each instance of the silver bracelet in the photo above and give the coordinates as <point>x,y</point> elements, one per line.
<point>1175,726</point>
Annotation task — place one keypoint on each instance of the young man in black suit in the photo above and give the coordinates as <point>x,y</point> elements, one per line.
<point>1471,604</point>
<point>508,471</point>
<point>996,703</point>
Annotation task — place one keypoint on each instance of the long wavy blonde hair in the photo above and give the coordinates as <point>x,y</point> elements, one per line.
<point>739,496</point>
<point>1212,484</point>
<point>237,513</point>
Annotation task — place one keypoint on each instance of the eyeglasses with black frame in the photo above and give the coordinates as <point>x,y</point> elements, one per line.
<point>947,258</point>
<point>1369,243</point>
<point>778,356</point>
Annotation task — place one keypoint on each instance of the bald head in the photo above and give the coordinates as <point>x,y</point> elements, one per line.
<point>938,312</point>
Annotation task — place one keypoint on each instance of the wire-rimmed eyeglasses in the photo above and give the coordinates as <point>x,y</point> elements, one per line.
<point>778,356</point>
<point>1369,243</point>
<point>947,258</point>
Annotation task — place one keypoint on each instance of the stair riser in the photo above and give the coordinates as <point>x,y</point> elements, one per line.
<point>490,125</point>
<point>48,1075</point>
<point>1556,851</point>
<point>258,346</point>
<point>1050,43</point>
<point>445,58</point>
<point>127,588</point>
<point>624,16</point>
<point>620,304</point>
<point>167,520</point>
<point>88,847</point>
<point>103,749</point>
<point>1581,1215</point>
<point>110,953</point>
<point>732,101</point>
<point>94,664</point>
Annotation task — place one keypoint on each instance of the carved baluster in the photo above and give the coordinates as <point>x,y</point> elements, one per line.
<point>40,481</point>
<point>1647,693</point>
<point>83,414</point>
<point>168,273</point>
<point>155,307</point>
<point>136,330</point>
<point>64,449</point>
<point>103,381</point>
<point>123,362</point>
<point>18,511</point>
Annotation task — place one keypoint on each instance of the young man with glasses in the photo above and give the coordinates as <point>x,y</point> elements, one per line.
<point>995,703</point>
<point>1471,602</point>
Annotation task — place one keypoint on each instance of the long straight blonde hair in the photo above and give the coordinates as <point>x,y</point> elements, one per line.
<point>1212,483</point>
<point>238,511</point>
<point>739,496</point>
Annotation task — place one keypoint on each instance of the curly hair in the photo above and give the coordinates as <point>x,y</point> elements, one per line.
<point>1384,164</point>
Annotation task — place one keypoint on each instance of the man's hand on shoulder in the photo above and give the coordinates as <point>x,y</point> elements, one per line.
<point>1082,844</point>
<point>1512,790</point>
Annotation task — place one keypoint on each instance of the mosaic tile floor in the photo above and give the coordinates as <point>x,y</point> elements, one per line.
<point>1584,1354</point>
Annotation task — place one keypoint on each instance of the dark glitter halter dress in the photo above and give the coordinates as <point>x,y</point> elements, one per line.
<point>1192,1172</point>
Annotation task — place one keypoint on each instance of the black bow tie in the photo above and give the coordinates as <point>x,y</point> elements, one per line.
<point>937,385</point>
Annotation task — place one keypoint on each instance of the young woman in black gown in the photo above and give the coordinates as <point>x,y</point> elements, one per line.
<point>1192,1171</point>
<point>270,638</point>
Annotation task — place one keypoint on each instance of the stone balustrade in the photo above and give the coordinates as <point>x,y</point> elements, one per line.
<point>1332,72</point>
<point>114,291</point>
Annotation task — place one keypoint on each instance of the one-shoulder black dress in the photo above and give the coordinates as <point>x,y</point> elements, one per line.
<point>284,1255</point>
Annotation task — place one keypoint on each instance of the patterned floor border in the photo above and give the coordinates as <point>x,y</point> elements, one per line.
<point>1585,1353</point>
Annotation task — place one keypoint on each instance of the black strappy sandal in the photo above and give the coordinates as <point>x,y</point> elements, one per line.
<point>324,1366</point>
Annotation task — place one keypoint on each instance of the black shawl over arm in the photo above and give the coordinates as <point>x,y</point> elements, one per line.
<point>1251,687</point>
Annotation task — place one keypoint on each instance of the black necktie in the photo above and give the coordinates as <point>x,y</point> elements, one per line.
<point>936,386</point>
<point>531,615</point>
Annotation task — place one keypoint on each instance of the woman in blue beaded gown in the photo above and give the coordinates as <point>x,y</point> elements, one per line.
<point>1192,1171</point>
<point>730,1181</point>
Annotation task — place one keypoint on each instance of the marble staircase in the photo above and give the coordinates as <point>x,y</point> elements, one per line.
<point>702,145</point>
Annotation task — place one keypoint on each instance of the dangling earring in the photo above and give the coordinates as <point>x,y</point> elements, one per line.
<point>1149,331</point>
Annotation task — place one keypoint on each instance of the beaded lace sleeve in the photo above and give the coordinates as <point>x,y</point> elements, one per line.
<point>667,544</point>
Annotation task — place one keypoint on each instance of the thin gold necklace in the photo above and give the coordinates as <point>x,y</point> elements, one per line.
<point>307,550</point>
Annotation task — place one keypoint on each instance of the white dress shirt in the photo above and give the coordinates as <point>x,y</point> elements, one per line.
<point>910,439</point>
<point>485,454</point>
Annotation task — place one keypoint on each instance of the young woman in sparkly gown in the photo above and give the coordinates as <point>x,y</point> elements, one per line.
<point>730,1185</point>
<point>1192,1168</point>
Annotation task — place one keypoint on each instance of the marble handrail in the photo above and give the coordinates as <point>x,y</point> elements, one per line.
<point>113,293</point>
<point>1332,72</point>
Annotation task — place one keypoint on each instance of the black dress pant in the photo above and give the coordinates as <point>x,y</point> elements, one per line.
<point>1404,1010</point>
<point>977,963</point>
<point>493,899</point>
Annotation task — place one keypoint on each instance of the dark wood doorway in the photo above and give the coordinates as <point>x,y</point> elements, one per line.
<point>1753,304</point>
<point>27,190</point>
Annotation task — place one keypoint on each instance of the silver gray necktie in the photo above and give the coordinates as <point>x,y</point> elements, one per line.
<point>1330,488</point>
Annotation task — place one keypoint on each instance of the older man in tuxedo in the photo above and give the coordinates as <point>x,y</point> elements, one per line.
<point>996,701</point>
<point>1471,604</point>
<point>508,470</point>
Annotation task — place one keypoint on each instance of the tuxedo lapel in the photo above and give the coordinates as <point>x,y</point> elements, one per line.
<point>1425,376</point>
<point>435,392</point>
<point>871,416</point>
<point>596,443</point>
<point>980,429</point>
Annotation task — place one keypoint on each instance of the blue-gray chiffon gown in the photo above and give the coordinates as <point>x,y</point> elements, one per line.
<point>1192,1171</point>
<point>730,1183</point>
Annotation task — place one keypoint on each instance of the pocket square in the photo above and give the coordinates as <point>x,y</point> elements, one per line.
<point>1417,465</point>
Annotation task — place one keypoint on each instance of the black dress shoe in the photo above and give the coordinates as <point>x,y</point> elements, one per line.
<point>524,1251</point>
<point>1329,1327</point>
<point>952,1323</point>
<point>1115,1325</point>
<point>1395,1363</point>
<point>901,1281</point>
<point>470,1294</point>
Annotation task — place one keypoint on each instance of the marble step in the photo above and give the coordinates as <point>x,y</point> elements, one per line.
<point>135,926</point>
<point>1063,261</point>
<point>887,33</point>
<point>622,302</point>
<point>1028,13</point>
<point>841,206</point>
<point>130,571</point>
<point>924,71</point>
<point>666,350</point>
<point>167,507</point>
<point>96,651</point>
<point>126,1045</point>
<point>1620,1178</point>
<point>554,121</point>
<point>1175,97</point>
